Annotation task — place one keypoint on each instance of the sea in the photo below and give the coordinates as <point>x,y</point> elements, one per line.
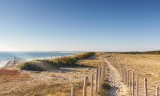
<point>6,57</point>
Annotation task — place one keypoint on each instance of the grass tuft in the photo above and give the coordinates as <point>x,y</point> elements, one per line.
<point>105,85</point>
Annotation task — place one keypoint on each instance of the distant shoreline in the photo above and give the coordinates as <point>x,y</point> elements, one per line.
<point>6,57</point>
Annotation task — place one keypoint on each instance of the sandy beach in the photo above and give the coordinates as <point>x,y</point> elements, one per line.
<point>56,82</point>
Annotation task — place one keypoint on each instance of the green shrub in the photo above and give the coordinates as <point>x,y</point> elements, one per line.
<point>31,66</point>
<point>103,92</point>
<point>105,85</point>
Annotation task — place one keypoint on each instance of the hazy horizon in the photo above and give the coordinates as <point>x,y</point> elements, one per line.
<point>79,25</point>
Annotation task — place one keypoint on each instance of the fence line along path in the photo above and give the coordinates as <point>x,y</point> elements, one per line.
<point>118,86</point>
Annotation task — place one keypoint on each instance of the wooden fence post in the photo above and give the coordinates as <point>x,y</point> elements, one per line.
<point>72,91</point>
<point>123,73</point>
<point>85,87</point>
<point>96,81</point>
<point>14,60</point>
<point>157,91</point>
<point>121,70</point>
<point>132,83</point>
<point>99,78</point>
<point>145,86</point>
<point>125,76</point>
<point>104,71</point>
<point>112,60</point>
<point>101,74</point>
<point>91,84</point>
<point>128,78</point>
<point>137,86</point>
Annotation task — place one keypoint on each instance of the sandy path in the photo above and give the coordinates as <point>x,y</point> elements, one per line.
<point>118,87</point>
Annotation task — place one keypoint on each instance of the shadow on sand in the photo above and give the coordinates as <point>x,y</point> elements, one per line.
<point>113,90</point>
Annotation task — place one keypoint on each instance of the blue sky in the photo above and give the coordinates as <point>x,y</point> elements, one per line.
<point>88,25</point>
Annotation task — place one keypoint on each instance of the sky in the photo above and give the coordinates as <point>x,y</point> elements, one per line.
<point>79,25</point>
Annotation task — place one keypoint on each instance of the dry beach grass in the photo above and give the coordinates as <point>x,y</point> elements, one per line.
<point>146,66</point>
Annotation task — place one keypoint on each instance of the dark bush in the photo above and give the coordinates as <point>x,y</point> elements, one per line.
<point>31,66</point>
<point>103,92</point>
<point>105,85</point>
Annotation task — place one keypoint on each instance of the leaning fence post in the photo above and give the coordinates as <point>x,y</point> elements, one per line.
<point>137,86</point>
<point>120,70</point>
<point>85,87</point>
<point>157,91</point>
<point>96,82</point>
<point>124,75</point>
<point>102,74</point>
<point>132,83</point>
<point>128,77</point>
<point>99,78</point>
<point>91,84</point>
<point>145,86</point>
<point>104,71</point>
<point>72,91</point>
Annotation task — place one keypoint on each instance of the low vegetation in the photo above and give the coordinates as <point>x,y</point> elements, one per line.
<point>137,52</point>
<point>104,88</point>
<point>5,72</point>
<point>30,66</point>
<point>44,65</point>
<point>105,85</point>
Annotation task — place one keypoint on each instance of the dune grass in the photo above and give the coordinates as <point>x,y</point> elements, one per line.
<point>44,65</point>
<point>103,91</point>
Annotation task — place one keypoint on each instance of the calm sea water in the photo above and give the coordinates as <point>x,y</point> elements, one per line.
<point>8,56</point>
